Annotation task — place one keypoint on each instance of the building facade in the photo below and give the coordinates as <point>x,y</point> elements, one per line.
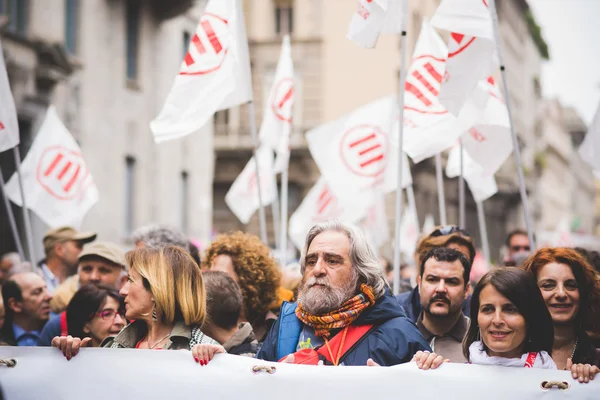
<point>107,66</point>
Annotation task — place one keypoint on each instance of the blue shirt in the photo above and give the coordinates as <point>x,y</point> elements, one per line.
<point>51,280</point>
<point>24,338</point>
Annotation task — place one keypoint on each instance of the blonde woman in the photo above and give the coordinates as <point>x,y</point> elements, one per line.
<point>164,296</point>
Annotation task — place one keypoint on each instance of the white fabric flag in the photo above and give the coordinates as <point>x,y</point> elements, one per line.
<point>590,148</point>
<point>471,49</point>
<point>214,75</point>
<point>321,204</point>
<point>482,185</point>
<point>277,118</point>
<point>428,127</point>
<point>409,232</point>
<point>375,222</point>
<point>56,180</point>
<point>9,124</point>
<point>242,197</point>
<point>489,141</point>
<point>367,22</point>
<point>354,152</point>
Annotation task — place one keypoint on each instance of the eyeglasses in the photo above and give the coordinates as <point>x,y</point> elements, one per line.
<point>110,315</point>
<point>520,248</point>
<point>448,230</point>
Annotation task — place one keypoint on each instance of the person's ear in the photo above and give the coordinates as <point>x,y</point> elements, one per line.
<point>86,328</point>
<point>59,249</point>
<point>15,306</point>
<point>419,281</point>
<point>467,290</point>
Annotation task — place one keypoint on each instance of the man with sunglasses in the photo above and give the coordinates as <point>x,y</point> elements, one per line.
<point>449,236</point>
<point>99,263</point>
<point>518,248</point>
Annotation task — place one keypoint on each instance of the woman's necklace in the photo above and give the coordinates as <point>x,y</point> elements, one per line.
<point>574,348</point>
<point>157,343</point>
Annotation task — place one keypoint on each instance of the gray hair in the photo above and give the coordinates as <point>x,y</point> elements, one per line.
<point>13,257</point>
<point>157,236</point>
<point>362,255</point>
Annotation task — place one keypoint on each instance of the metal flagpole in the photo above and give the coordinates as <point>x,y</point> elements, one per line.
<point>461,190</point>
<point>11,219</point>
<point>284,212</point>
<point>412,204</point>
<point>485,244</point>
<point>439,175</point>
<point>403,55</point>
<point>261,209</point>
<point>276,221</point>
<point>517,152</point>
<point>26,219</point>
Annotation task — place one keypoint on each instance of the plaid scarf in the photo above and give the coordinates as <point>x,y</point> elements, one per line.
<point>340,318</point>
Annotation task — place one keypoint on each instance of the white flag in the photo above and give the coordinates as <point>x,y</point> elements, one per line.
<point>428,127</point>
<point>375,222</point>
<point>9,124</point>
<point>277,118</point>
<point>355,153</point>
<point>590,148</point>
<point>367,22</point>
<point>489,141</point>
<point>215,74</point>
<point>321,204</point>
<point>409,232</point>
<point>57,183</point>
<point>471,49</point>
<point>242,197</point>
<point>482,185</point>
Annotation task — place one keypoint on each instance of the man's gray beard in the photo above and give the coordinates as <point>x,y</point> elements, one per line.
<point>319,300</point>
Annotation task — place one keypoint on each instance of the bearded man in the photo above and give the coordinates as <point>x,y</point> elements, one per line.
<point>345,314</point>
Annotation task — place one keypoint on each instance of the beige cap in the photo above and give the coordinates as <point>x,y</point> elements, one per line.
<point>64,234</point>
<point>106,250</point>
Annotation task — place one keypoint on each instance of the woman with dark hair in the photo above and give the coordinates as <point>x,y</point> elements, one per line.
<point>510,325</point>
<point>95,312</point>
<point>571,291</point>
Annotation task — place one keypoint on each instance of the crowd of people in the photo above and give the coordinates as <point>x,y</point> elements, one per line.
<point>541,309</point>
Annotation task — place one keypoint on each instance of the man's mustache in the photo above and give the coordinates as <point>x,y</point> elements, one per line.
<point>312,281</point>
<point>439,297</point>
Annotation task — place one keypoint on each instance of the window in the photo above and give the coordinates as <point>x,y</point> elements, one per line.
<point>221,122</point>
<point>71,25</point>
<point>132,15</point>
<point>129,194</point>
<point>18,15</point>
<point>186,42</point>
<point>185,195</point>
<point>284,17</point>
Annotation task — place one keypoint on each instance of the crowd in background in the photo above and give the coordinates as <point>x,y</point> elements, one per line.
<point>540,310</point>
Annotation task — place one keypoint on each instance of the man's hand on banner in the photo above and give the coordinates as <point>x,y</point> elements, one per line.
<point>426,360</point>
<point>203,353</point>
<point>70,345</point>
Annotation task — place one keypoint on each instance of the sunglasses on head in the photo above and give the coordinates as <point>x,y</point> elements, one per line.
<point>448,230</point>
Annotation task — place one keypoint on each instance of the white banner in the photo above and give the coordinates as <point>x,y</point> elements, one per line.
<point>43,373</point>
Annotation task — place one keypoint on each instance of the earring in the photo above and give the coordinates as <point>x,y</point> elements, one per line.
<point>478,338</point>
<point>154,316</point>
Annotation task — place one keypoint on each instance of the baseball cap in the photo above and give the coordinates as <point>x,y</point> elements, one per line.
<point>64,234</point>
<point>106,250</point>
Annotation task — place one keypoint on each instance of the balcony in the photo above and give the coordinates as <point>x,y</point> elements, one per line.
<point>166,9</point>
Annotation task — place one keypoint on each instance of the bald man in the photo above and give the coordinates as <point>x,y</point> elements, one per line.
<point>27,303</point>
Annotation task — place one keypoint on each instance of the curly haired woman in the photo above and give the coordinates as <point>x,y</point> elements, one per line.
<point>247,260</point>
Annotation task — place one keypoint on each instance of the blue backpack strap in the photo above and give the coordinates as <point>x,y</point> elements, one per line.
<point>289,330</point>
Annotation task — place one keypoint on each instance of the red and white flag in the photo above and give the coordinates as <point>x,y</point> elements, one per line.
<point>277,118</point>
<point>242,197</point>
<point>482,185</point>
<point>214,75</point>
<point>488,142</point>
<point>9,125</point>
<point>471,49</point>
<point>321,204</point>
<point>57,183</point>
<point>374,17</point>
<point>355,153</point>
<point>428,127</point>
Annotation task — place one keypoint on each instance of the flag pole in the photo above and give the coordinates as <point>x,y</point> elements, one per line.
<point>440,188</point>
<point>261,210</point>
<point>284,212</point>
<point>517,152</point>
<point>485,244</point>
<point>403,55</point>
<point>11,219</point>
<point>461,189</point>
<point>276,220</point>
<point>412,204</point>
<point>26,219</point>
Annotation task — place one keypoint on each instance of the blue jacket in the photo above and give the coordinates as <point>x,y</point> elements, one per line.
<point>51,329</point>
<point>411,302</point>
<point>393,340</point>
